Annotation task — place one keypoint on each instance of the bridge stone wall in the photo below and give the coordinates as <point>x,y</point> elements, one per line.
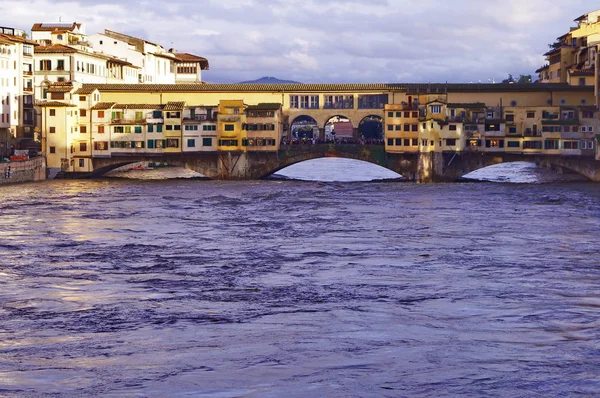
<point>418,167</point>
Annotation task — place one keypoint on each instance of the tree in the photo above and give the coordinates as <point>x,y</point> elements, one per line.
<point>525,79</point>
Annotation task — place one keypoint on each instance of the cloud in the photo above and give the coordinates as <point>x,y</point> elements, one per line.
<point>331,40</point>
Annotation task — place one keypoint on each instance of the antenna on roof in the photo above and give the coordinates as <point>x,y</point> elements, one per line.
<point>59,19</point>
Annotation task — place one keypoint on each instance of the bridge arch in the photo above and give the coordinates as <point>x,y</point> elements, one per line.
<point>339,127</point>
<point>457,165</point>
<point>371,128</point>
<point>304,126</point>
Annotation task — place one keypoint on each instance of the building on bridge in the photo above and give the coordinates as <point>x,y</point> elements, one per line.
<point>82,123</point>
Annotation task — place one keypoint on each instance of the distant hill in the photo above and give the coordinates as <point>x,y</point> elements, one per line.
<point>269,80</point>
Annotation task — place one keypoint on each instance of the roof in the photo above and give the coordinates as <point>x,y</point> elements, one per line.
<point>472,105</point>
<point>264,107</point>
<point>18,39</point>
<point>138,106</point>
<point>187,57</point>
<point>51,27</point>
<point>55,48</point>
<point>165,55</point>
<point>85,90</point>
<point>103,105</point>
<point>416,88</point>
<point>174,106</point>
<point>60,87</point>
<point>53,104</point>
<point>585,72</point>
<point>542,68</point>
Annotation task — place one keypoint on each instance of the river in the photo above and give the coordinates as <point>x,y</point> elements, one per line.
<point>191,288</point>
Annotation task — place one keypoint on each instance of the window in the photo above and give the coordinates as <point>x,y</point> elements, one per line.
<point>398,141</point>
<point>407,127</point>
<point>570,145</point>
<point>414,127</point>
<point>228,143</point>
<point>169,127</point>
<point>229,127</point>
<point>551,144</point>
<point>582,81</point>
<point>390,114</point>
<point>452,127</point>
<point>83,129</point>
<point>406,114</point>
<point>139,115</point>
<point>530,115</point>
<point>52,130</point>
<point>532,144</point>
<point>172,143</point>
<point>139,144</point>
<point>510,117</point>
<point>100,129</point>
<point>52,112</point>
<point>390,142</point>
<point>376,101</point>
<point>406,142</point>
<point>390,127</point>
<point>45,64</point>
<point>415,142</point>
<point>513,144</point>
<point>191,143</point>
<point>100,145</point>
<point>209,127</point>
<point>206,141</point>
<point>159,128</point>
<point>138,129</point>
<point>398,127</point>
<point>435,109</point>
<point>52,149</point>
<point>83,113</point>
<point>587,114</point>
<point>451,142</point>
<point>82,146</point>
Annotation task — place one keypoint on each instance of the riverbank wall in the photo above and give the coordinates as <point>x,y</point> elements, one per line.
<point>23,171</point>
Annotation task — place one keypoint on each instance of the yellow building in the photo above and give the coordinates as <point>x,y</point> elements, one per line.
<point>230,122</point>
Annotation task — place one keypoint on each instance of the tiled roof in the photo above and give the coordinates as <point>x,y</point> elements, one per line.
<point>60,88</point>
<point>187,57</point>
<point>264,107</point>
<point>588,72</point>
<point>415,88</point>
<point>165,55</point>
<point>139,106</point>
<point>103,105</point>
<point>12,39</point>
<point>174,106</point>
<point>55,48</point>
<point>473,105</point>
<point>53,104</point>
<point>49,27</point>
<point>85,90</point>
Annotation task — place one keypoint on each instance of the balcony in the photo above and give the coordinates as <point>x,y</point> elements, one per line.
<point>155,121</point>
<point>27,73</point>
<point>229,119</point>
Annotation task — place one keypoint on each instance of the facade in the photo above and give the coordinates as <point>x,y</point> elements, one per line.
<point>86,122</point>
<point>17,117</point>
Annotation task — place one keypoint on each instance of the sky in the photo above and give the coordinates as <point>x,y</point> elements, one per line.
<point>331,41</point>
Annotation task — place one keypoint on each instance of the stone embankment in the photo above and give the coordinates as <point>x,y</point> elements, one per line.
<point>23,171</point>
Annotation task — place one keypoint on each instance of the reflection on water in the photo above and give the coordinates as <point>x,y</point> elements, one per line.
<point>521,173</point>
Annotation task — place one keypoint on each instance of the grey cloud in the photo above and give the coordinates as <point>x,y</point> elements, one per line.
<point>340,40</point>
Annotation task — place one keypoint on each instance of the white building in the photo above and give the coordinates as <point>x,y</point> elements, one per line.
<point>17,116</point>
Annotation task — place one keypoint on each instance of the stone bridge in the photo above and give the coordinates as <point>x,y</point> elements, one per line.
<point>419,167</point>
